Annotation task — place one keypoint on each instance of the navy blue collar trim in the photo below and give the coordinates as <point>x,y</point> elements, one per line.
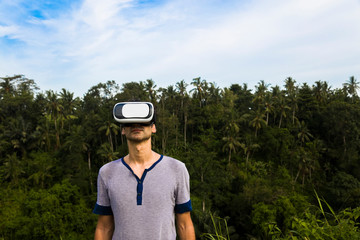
<point>152,166</point>
<point>140,186</point>
<point>147,169</point>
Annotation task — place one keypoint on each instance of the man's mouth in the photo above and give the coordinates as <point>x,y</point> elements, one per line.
<point>136,130</point>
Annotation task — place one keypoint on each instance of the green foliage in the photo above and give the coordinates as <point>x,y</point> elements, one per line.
<point>344,190</point>
<point>278,214</point>
<point>40,168</point>
<point>46,214</point>
<point>328,225</point>
<point>254,157</point>
<point>312,228</point>
<point>221,230</point>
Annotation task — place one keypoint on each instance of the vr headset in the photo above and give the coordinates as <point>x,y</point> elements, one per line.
<point>134,112</point>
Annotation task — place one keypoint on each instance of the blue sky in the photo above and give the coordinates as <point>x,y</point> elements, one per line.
<point>76,44</point>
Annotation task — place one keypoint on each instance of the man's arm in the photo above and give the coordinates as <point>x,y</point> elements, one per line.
<point>105,227</point>
<point>185,226</point>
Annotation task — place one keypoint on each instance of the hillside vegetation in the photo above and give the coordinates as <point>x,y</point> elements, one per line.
<point>275,162</point>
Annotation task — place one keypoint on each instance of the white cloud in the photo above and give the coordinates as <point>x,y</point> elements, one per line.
<point>7,30</point>
<point>117,39</point>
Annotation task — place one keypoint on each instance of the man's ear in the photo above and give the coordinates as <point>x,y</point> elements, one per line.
<point>122,130</point>
<point>153,128</point>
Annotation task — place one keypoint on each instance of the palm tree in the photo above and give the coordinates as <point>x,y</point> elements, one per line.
<point>269,107</point>
<point>260,93</point>
<point>304,159</point>
<point>181,89</point>
<point>12,168</point>
<point>21,135</point>
<point>42,165</point>
<point>170,94</point>
<point>26,85</point>
<point>68,104</point>
<point>110,127</point>
<point>291,91</point>
<point>150,88</point>
<point>172,106</point>
<point>352,86</point>
<point>229,99</point>
<point>168,116</point>
<point>232,138</point>
<point>106,153</point>
<point>44,133</point>
<point>54,108</point>
<point>133,91</point>
<point>321,91</point>
<point>249,148</point>
<point>199,89</point>
<point>2,114</point>
<point>214,93</point>
<point>282,108</point>
<point>7,86</point>
<point>77,141</point>
<point>307,162</point>
<point>258,121</point>
<point>290,85</point>
<point>304,135</point>
<point>276,94</point>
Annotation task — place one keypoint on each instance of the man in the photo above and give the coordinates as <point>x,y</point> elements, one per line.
<point>142,194</point>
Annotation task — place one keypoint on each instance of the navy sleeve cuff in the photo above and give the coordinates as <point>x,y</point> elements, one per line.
<point>102,210</point>
<point>185,207</point>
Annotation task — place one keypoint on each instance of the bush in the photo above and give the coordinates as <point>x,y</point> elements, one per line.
<point>321,224</point>
<point>56,213</point>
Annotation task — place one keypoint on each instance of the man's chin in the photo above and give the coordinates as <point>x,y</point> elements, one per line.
<point>138,140</point>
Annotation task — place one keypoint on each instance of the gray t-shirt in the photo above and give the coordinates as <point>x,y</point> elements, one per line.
<point>143,208</point>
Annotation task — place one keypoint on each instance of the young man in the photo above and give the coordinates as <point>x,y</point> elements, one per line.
<point>141,194</point>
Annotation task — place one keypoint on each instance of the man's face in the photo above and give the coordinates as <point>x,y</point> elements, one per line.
<point>138,132</point>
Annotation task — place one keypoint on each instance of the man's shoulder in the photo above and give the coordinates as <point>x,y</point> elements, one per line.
<point>110,166</point>
<point>174,163</point>
<point>172,160</point>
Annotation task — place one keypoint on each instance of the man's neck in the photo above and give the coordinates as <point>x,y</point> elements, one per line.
<point>140,154</point>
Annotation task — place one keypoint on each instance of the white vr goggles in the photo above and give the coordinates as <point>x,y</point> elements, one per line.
<point>134,112</point>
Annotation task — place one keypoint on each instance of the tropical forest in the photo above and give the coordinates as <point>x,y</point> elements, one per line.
<point>273,162</point>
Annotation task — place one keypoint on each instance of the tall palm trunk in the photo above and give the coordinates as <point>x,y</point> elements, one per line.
<point>57,134</point>
<point>185,126</point>
<point>89,165</point>
<point>203,200</point>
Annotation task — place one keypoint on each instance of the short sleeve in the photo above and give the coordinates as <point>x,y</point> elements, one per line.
<point>102,205</point>
<point>182,201</point>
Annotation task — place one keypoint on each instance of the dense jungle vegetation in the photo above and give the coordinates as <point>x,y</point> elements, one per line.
<point>276,162</point>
